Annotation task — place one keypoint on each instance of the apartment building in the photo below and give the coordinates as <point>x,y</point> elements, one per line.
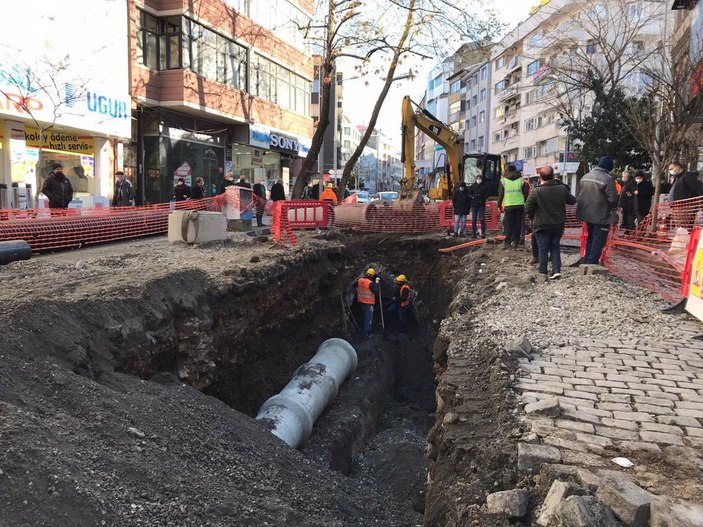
<point>525,127</point>
<point>380,166</point>
<point>219,86</point>
<point>445,98</point>
<point>478,81</point>
<point>688,52</point>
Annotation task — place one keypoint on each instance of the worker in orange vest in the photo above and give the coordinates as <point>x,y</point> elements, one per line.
<point>401,302</point>
<point>366,290</point>
<point>329,194</point>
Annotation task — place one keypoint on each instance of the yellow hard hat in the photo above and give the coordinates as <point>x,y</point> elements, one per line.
<point>371,272</point>
<point>329,185</point>
<point>401,278</point>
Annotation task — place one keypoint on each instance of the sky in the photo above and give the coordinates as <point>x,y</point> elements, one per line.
<point>359,99</point>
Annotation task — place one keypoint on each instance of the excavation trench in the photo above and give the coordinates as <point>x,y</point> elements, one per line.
<point>243,348</point>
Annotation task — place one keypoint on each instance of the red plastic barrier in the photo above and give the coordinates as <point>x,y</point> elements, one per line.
<point>297,214</point>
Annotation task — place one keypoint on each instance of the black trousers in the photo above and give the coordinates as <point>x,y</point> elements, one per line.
<point>513,224</point>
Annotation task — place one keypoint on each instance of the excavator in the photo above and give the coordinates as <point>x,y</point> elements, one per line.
<point>460,167</point>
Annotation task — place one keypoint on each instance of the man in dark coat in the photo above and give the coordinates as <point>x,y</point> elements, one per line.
<point>260,197</point>
<point>686,186</point>
<point>277,192</point>
<point>478,192</point>
<point>124,191</point>
<point>461,203</point>
<point>627,201</point>
<point>597,205</point>
<point>644,192</point>
<point>182,191</point>
<point>546,207</point>
<point>228,181</point>
<point>57,188</point>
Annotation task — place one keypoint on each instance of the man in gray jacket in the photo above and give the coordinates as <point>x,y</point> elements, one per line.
<point>596,206</point>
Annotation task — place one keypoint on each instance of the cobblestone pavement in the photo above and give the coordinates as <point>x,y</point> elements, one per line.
<point>599,398</point>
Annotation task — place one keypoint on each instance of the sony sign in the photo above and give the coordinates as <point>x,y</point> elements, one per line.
<point>285,143</point>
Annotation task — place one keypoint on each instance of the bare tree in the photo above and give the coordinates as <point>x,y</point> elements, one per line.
<point>590,54</point>
<point>381,37</point>
<point>667,119</point>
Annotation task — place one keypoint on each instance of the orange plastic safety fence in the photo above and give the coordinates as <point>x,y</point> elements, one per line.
<point>655,258</point>
<point>52,229</point>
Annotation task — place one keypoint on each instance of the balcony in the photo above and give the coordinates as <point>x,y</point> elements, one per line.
<point>507,93</point>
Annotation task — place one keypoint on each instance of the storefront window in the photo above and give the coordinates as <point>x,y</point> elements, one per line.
<point>178,154</point>
<point>256,164</point>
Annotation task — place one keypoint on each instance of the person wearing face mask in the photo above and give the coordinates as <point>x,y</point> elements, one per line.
<point>686,184</point>
<point>57,188</point>
<point>478,192</point>
<point>627,201</point>
<point>644,192</point>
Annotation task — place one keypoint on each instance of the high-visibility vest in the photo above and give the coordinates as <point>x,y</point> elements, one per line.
<point>364,295</point>
<point>329,195</point>
<point>405,303</point>
<point>512,192</point>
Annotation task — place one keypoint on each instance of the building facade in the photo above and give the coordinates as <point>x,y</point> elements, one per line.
<point>219,86</point>
<point>330,157</point>
<point>478,107</point>
<point>688,53</point>
<point>525,127</point>
<point>63,99</point>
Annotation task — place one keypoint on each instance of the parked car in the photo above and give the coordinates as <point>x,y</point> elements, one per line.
<point>362,196</point>
<point>386,197</point>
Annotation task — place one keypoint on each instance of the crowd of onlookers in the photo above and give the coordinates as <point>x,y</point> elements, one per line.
<point>602,202</point>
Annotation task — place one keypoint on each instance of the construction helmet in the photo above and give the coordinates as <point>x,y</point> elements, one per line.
<point>329,185</point>
<point>371,272</point>
<point>401,278</point>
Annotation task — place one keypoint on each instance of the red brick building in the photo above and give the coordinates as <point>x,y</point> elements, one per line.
<point>218,85</point>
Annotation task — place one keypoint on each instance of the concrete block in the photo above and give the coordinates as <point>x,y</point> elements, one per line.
<point>665,514</point>
<point>580,511</point>
<point>629,502</point>
<point>661,437</point>
<point>548,406</point>
<point>531,457</point>
<point>559,491</point>
<point>509,503</point>
<point>196,226</point>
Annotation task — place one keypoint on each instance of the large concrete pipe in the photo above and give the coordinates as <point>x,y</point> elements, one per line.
<point>292,413</point>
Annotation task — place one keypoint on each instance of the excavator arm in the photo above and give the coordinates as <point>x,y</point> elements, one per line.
<point>423,120</point>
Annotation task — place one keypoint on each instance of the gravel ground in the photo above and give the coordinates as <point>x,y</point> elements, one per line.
<point>594,306</point>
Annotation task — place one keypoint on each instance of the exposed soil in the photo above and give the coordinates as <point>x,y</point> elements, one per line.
<point>112,354</point>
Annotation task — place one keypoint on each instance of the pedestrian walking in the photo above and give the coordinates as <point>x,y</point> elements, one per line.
<point>198,190</point>
<point>546,207</point>
<point>181,192</point>
<point>277,192</point>
<point>461,203</point>
<point>596,205</point>
<point>366,291</point>
<point>512,194</point>
<point>627,201</point>
<point>644,192</point>
<point>57,188</point>
<point>260,204</point>
<point>227,181</point>
<point>478,192</point>
<point>124,191</point>
<point>401,303</point>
